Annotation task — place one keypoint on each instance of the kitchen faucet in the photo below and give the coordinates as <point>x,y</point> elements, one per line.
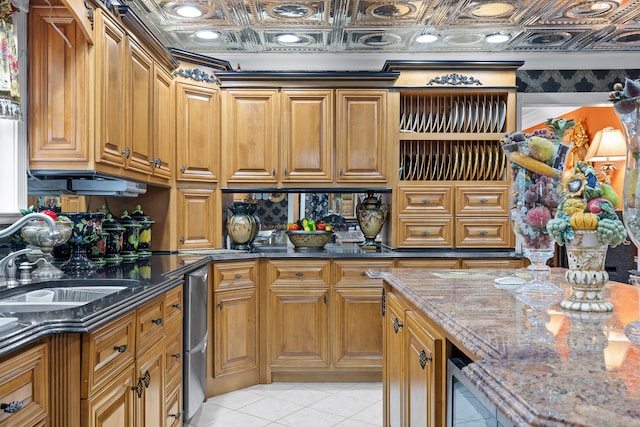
<point>7,264</point>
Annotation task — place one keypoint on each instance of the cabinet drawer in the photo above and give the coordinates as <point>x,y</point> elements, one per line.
<point>354,272</point>
<point>106,351</point>
<point>305,273</point>
<point>494,264</point>
<point>425,232</point>
<point>173,362</point>
<point>491,200</point>
<point>234,275</point>
<point>429,263</point>
<point>425,200</point>
<point>150,324</point>
<point>23,381</point>
<point>174,406</point>
<point>173,305</point>
<point>483,232</point>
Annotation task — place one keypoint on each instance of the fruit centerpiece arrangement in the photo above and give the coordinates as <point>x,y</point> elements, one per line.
<point>586,222</point>
<point>309,235</point>
<point>536,163</point>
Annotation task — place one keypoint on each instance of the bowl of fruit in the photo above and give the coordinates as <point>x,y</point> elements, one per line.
<point>309,235</point>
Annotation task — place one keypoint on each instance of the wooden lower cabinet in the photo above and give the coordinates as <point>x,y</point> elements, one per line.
<point>414,367</point>
<point>24,386</point>
<point>233,327</point>
<point>129,374</point>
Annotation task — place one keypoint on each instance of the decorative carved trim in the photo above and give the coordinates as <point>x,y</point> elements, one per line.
<point>197,75</point>
<point>89,12</point>
<point>455,79</point>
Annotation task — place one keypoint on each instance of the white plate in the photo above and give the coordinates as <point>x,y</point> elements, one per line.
<point>454,117</point>
<point>509,282</point>
<point>503,115</point>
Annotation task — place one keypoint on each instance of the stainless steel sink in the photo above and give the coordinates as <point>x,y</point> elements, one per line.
<point>59,298</point>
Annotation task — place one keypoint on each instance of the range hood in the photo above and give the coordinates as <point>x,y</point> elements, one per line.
<point>91,185</point>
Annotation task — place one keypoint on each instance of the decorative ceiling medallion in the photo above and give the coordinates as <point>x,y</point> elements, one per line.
<point>548,39</point>
<point>491,9</point>
<point>289,10</point>
<point>628,38</point>
<point>379,39</point>
<point>390,10</point>
<point>454,79</point>
<point>466,39</point>
<point>591,8</point>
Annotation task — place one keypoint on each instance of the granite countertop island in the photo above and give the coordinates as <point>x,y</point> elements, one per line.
<point>541,366</point>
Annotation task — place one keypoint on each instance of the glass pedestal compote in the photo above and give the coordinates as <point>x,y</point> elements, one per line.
<point>534,197</point>
<point>628,111</point>
<point>37,234</point>
<point>85,229</point>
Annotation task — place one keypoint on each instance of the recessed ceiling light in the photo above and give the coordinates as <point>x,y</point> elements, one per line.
<point>426,38</point>
<point>207,34</point>
<point>288,38</point>
<point>188,11</point>
<point>497,38</point>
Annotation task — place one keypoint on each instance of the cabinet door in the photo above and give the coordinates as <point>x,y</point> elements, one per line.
<point>393,361</point>
<point>195,230</point>
<point>138,151</point>
<point>198,133</point>
<point>164,129</point>
<point>299,327</point>
<point>150,370</point>
<point>307,136</point>
<point>235,332</point>
<point>421,359</point>
<point>357,328</point>
<point>58,74</point>
<point>114,404</point>
<point>361,135</point>
<point>251,135</point>
<point>111,52</point>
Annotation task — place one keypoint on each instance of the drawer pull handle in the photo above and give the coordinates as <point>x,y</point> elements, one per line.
<point>157,321</point>
<point>484,201</point>
<point>484,233</point>
<point>299,274</point>
<point>238,276</point>
<point>138,388</point>
<point>424,359</point>
<point>176,355</point>
<point>121,348</point>
<point>146,378</point>
<point>176,306</point>
<point>396,325</point>
<point>12,407</point>
<point>426,201</point>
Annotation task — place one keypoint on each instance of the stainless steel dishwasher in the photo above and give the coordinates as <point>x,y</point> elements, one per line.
<point>195,341</point>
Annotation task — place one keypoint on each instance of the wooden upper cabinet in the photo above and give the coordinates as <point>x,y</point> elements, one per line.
<point>138,150</point>
<point>164,129</point>
<point>111,54</point>
<point>251,135</point>
<point>361,135</point>
<point>198,133</point>
<point>307,136</point>
<point>59,105</point>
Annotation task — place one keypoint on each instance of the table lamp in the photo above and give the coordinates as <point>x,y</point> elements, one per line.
<point>608,146</point>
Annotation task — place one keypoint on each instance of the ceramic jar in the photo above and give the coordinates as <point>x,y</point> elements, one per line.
<point>114,237</point>
<point>371,214</point>
<point>144,238</point>
<point>241,225</point>
<point>130,237</point>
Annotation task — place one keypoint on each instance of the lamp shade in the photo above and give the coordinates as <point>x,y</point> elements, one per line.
<point>608,145</point>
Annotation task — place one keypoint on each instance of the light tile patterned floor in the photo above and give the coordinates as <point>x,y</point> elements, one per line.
<point>295,405</point>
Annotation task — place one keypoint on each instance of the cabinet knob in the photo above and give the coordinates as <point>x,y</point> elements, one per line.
<point>220,305</point>
<point>12,407</point>
<point>182,240</point>
<point>176,306</point>
<point>425,233</point>
<point>340,172</point>
<point>273,172</point>
<point>238,276</point>
<point>423,359</point>
<point>182,168</point>
<point>484,201</point>
<point>285,172</point>
<point>426,201</point>
<point>127,152</point>
<point>158,162</point>
<point>484,233</point>
<point>138,388</point>
<point>176,355</point>
<point>176,416</point>
<point>120,348</point>
<point>157,321</point>
<point>299,273</point>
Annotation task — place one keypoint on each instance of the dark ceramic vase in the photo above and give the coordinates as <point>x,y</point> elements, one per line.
<point>144,237</point>
<point>85,232</point>
<point>130,237</point>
